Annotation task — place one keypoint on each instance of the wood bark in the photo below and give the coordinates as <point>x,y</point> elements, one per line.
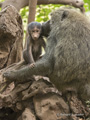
<point>22,3</point>
<point>32,10</point>
<point>11,37</point>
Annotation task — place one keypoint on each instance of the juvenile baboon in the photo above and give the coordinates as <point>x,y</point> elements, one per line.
<point>67,58</point>
<point>35,42</point>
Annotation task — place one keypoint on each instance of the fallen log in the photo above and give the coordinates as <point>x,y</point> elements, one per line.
<point>39,98</point>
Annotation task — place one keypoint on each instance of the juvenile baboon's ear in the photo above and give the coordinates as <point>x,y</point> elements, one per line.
<point>64,15</point>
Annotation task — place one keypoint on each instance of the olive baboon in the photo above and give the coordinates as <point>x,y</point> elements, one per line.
<point>35,42</point>
<point>67,58</point>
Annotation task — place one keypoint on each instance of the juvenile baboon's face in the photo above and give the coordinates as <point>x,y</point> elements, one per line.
<point>35,33</point>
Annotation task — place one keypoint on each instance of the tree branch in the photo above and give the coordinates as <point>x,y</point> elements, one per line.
<point>22,3</point>
<point>1,4</point>
<point>75,3</point>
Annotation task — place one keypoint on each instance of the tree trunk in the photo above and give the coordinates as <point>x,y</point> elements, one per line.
<point>31,16</point>
<point>22,3</point>
<point>32,10</point>
<point>11,37</point>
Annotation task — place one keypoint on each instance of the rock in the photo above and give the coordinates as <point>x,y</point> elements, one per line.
<point>51,107</point>
<point>27,115</point>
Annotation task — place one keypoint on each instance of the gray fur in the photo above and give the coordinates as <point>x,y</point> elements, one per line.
<point>67,58</point>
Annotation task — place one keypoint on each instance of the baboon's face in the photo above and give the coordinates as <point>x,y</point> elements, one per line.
<point>58,16</point>
<point>65,16</point>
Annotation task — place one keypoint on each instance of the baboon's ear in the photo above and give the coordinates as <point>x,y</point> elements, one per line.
<point>64,15</point>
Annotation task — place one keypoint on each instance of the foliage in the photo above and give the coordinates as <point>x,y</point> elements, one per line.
<point>43,11</point>
<point>1,1</point>
<point>24,14</point>
<point>87,5</point>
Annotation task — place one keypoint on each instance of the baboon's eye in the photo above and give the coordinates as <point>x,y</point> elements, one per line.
<point>64,15</point>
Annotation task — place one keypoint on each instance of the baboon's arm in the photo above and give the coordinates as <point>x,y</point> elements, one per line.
<point>42,67</point>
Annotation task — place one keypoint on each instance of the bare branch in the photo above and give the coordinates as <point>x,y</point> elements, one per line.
<point>1,4</point>
<point>22,3</point>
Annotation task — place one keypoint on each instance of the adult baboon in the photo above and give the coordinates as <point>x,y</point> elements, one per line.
<point>67,58</point>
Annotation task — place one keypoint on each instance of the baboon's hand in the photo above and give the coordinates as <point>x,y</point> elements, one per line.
<point>32,65</point>
<point>6,75</point>
<point>9,75</point>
